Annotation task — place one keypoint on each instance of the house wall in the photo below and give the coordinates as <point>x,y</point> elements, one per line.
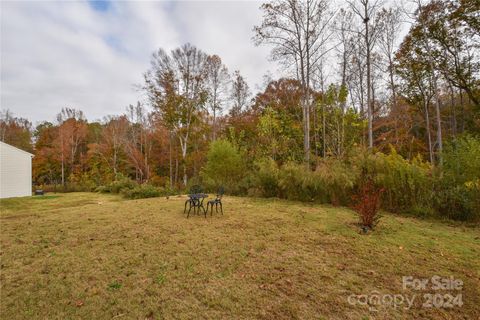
<point>15,172</point>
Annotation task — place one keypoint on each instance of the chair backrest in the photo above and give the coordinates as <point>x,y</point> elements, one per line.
<point>220,192</point>
<point>195,189</point>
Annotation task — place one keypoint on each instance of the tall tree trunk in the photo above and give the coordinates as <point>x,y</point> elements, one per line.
<point>462,112</point>
<point>454,111</point>
<point>63,160</point>
<point>170,159</point>
<point>306,130</point>
<point>429,135</point>
<point>115,161</point>
<point>184,161</point>
<point>394,97</point>
<point>176,169</point>
<point>439,121</point>
<point>343,103</point>
<point>315,134</point>
<point>324,132</point>
<point>63,171</point>
<point>436,95</point>
<point>369,80</point>
<point>214,124</point>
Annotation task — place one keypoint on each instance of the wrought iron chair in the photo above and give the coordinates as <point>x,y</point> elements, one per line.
<point>193,201</point>
<point>217,201</point>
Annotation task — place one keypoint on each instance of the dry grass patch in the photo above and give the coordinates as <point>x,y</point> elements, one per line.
<point>85,255</point>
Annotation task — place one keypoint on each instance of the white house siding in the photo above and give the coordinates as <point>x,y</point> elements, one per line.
<point>15,172</point>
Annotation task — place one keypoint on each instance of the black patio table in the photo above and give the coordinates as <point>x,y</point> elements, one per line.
<point>196,201</point>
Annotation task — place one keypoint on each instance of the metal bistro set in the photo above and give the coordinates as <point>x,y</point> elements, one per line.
<point>196,199</point>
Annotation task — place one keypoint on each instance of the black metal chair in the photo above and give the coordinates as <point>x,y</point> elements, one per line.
<point>194,201</point>
<point>217,201</point>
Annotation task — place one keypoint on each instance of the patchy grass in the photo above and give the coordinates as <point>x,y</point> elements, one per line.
<point>85,255</point>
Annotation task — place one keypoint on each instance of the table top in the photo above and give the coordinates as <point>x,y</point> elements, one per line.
<point>198,195</point>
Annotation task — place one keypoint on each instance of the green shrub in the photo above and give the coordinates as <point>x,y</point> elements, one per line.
<point>458,183</point>
<point>265,178</point>
<point>102,189</point>
<point>337,180</point>
<point>332,182</point>
<point>81,182</point>
<point>426,211</point>
<point>118,185</point>
<point>298,183</point>
<point>247,185</point>
<point>142,191</point>
<point>408,184</point>
<point>225,166</point>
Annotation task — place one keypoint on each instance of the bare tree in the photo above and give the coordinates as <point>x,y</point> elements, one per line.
<point>137,143</point>
<point>346,45</point>
<point>356,76</point>
<point>175,85</point>
<point>217,81</point>
<point>72,131</point>
<point>239,94</point>
<point>5,118</point>
<point>298,31</point>
<point>366,10</point>
<point>389,22</point>
<point>113,135</point>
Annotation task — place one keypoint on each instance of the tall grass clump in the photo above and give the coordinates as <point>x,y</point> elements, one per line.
<point>458,180</point>
<point>120,183</point>
<point>142,191</point>
<point>265,178</point>
<point>297,183</point>
<point>407,184</point>
<point>337,180</point>
<point>331,182</point>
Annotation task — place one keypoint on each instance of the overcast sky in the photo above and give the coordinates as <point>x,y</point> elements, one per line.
<point>90,55</point>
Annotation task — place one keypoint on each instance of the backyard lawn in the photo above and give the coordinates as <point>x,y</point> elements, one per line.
<point>95,256</point>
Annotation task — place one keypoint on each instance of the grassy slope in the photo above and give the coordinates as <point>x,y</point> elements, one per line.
<point>96,256</point>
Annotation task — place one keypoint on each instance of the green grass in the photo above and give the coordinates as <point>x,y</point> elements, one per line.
<point>96,256</point>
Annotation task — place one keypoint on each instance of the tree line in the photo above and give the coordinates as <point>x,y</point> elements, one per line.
<point>350,81</point>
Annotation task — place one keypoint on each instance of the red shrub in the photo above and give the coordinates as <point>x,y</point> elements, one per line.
<point>367,203</point>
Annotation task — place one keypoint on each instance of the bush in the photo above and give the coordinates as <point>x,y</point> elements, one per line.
<point>102,189</point>
<point>265,178</point>
<point>121,183</point>
<point>367,204</point>
<point>332,181</point>
<point>142,191</point>
<point>69,187</point>
<point>458,183</point>
<point>159,181</point>
<point>81,182</point>
<point>225,166</point>
<point>337,180</point>
<point>408,184</point>
<point>298,183</point>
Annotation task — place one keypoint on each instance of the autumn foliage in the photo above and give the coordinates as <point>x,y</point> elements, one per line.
<point>367,204</point>
<point>306,137</point>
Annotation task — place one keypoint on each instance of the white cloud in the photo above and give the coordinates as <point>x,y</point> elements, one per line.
<point>57,54</point>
